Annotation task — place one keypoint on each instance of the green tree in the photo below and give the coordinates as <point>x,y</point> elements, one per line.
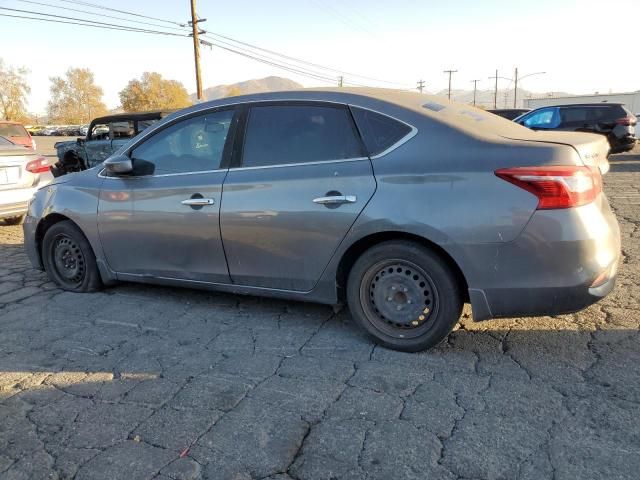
<point>75,98</point>
<point>152,92</point>
<point>13,91</point>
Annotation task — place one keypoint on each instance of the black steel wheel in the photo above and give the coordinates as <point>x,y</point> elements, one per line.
<point>69,259</point>
<point>404,295</point>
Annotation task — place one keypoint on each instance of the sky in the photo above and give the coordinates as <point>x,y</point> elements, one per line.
<point>583,46</point>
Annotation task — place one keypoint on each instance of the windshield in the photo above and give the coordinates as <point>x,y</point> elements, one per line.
<point>12,130</point>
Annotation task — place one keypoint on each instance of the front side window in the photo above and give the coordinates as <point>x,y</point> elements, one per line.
<point>546,118</point>
<point>283,134</point>
<point>379,132</point>
<point>192,145</point>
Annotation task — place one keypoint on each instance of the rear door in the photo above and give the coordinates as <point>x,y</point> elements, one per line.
<point>301,180</point>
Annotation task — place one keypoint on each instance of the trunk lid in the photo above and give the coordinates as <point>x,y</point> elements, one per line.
<point>12,168</point>
<point>592,148</point>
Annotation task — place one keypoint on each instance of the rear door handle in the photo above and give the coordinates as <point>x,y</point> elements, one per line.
<point>199,202</point>
<point>335,199</point>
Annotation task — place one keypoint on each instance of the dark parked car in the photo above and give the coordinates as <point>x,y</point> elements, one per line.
<point>509,113</point>
<point>610,119</point>
<point>103,137</point>
<point>405,206</point>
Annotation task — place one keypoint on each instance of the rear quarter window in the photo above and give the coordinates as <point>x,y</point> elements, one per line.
<point>379,132</point>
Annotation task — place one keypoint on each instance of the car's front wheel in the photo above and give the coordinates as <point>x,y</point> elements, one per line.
<point>69,259</point>
<point>404,295</point>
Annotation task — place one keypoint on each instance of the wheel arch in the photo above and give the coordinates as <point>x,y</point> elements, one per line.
<point>350,256</point>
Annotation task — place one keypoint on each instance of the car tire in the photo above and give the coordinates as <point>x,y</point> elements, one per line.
<point>14,220</point>
<point>69,259</point>
<point>404,295</point>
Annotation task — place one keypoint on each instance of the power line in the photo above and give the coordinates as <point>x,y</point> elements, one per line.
<point>102,7</point>
<point>103,26</point>
<point>298,60</point>
<point>231,47</point>
<point>104,15</point>
<point>294,59</point>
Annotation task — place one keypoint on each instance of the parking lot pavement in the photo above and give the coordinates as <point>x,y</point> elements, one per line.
<point>151,382</point>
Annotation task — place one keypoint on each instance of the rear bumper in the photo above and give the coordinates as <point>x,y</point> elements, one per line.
<point>15,202</point>
<point>564,261</point>
<point>16,209</point>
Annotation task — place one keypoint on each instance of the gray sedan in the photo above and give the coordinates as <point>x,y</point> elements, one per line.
<point>403,206</point>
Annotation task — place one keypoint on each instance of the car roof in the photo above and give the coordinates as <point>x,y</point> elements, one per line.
<point>11,122</point>
<point>149,115</point>
<point>401,104</point>
<point>600,104</point>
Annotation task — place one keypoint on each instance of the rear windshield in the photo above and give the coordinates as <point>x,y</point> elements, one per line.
<point>12,130</point>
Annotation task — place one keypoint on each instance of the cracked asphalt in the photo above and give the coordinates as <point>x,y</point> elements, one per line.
<point>151,382</point>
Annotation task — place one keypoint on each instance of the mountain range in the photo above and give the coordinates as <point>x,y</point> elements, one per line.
<point>484,98</point>
<point>268,84</point>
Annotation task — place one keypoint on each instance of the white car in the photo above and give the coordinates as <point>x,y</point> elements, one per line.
<point>22,172</point>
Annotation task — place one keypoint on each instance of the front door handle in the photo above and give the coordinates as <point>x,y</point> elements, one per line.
<point>198,202</point>
<point>335,199</point>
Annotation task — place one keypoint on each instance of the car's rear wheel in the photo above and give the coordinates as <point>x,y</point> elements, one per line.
<point>17,220</point>
<point>404,295</point>
<point>69,259</point>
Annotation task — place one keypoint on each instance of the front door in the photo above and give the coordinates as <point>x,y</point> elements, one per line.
<point>303,181</point>
<point>163,220</point>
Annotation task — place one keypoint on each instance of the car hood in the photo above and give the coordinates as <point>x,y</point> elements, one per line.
<point>592,148</point>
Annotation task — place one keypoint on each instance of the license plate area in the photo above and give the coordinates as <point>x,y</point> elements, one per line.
<point>9,175</point>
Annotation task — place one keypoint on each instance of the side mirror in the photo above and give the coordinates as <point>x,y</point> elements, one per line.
<point>118,164</point>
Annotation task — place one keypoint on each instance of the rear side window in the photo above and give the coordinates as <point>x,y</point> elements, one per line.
<point>378,131</point>
<point>12,130</point>
<point>283,134</point>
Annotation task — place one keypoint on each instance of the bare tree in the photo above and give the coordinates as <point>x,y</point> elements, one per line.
<point>75,98</point>
<point>13,91</point>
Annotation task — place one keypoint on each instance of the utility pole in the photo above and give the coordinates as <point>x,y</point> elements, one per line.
<point>515,89</point>
<point>450,72</point>
<point>340,81</point>
<point>495,92</point>
<point>475,83</point>
<point>196,47</point>
<point>420,86</point>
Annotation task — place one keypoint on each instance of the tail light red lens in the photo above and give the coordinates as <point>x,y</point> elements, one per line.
<point>627,121</point>
<point>556,186</point>
<point>39,165</point>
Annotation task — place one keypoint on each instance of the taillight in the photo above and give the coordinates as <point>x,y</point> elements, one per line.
<point>628,121</point>
<point>39,165</point>
<point>556,186</point>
